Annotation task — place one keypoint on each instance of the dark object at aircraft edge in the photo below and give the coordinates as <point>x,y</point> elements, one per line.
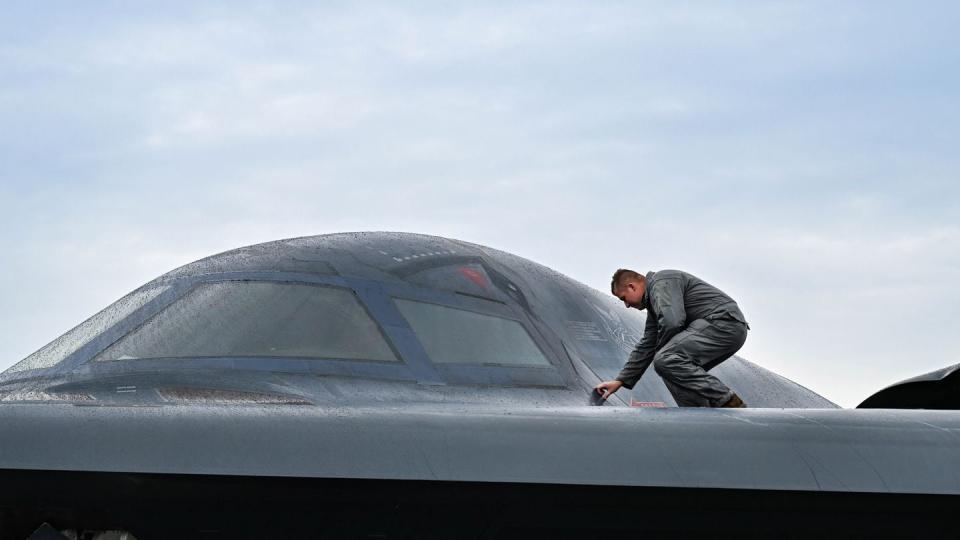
<point>938,389</point>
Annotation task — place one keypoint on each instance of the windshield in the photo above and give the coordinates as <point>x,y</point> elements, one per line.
<point>255,318</point>
<point>456,336</point>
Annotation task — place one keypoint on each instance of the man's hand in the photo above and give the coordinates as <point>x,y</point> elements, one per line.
<point>607,388</point>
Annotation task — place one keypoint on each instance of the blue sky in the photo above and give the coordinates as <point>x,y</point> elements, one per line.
<point>800,155</point>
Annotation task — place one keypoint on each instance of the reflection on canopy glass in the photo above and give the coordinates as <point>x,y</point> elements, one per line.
<point>455,336</point>
<point>249,318</point>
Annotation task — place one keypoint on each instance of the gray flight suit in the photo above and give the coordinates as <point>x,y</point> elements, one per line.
<point>691,327</point>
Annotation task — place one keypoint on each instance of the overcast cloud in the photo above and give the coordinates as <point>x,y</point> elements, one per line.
<point>800,155</point>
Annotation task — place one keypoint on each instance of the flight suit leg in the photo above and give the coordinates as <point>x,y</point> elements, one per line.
<point>684,361</point>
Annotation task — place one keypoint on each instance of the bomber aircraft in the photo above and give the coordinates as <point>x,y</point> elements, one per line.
<point>396,385</point>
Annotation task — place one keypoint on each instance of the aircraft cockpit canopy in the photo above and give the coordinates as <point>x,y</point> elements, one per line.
<point>407,308</point>
<point>379,305</point>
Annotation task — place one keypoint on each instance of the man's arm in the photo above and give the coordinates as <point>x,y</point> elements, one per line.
<point>641,356</point>
<point>666,296</point>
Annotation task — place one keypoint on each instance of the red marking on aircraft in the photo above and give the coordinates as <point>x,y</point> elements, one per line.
<point>474,276</point>
<point>654,404</point>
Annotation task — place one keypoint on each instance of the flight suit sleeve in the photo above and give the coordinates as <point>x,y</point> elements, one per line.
<point>641,356</point>
<point>667,299</point>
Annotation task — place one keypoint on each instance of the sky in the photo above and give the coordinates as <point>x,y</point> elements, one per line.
<point>802,156</point>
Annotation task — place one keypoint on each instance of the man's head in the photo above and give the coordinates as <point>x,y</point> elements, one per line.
<point>629,287</point>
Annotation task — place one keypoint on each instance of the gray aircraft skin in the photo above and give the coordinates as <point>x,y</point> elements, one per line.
<point>397,385</point>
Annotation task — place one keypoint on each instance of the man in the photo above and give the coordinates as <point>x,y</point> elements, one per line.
<point>691,327</point>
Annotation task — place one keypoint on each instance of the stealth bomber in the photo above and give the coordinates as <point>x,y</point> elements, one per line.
<point>395,385</point>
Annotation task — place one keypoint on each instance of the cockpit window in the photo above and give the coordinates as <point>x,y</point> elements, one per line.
<point>258,318</point>
<point>456,336</point>
<point>67,344</point>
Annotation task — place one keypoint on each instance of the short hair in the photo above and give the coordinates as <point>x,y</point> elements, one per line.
<point>620,277</point>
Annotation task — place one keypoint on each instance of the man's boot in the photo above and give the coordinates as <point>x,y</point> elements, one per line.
<point>735,402</point>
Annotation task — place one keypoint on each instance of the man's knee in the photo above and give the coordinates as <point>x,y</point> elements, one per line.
<point>665,363</point>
